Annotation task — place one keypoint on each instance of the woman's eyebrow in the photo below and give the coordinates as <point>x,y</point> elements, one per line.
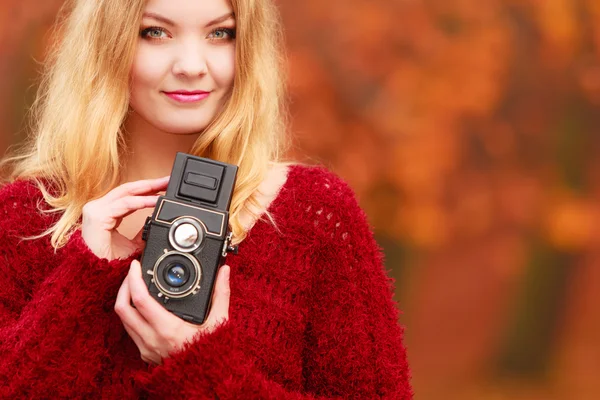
<point>158,17</point>
<point>220,19</point>
<point>167,21</point>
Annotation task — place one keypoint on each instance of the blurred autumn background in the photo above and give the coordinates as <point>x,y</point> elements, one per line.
<point>470,131</point>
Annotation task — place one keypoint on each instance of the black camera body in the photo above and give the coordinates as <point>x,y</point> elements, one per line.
<point>187,236</point>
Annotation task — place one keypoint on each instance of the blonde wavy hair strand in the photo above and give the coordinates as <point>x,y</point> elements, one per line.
<point>76,141</point>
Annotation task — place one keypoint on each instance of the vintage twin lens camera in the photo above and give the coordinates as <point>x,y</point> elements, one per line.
<point>187,236</point>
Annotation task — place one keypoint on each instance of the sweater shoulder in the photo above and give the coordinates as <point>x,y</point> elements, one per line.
<point>21,190</point>
<point>320,186</point>
<point>17,195</point>
<point>21,205</point>
<point>326,204</point>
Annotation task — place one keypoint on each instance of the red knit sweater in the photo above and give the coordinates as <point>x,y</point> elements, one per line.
<point>311,311</point>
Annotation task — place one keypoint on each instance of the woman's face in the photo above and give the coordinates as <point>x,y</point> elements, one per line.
<point>184,64</point>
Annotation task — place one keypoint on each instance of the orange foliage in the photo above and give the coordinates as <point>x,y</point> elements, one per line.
<point>469,131</point>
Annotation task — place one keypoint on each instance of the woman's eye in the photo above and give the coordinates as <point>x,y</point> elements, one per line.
<point>222,33</point>
<point>153,33</point>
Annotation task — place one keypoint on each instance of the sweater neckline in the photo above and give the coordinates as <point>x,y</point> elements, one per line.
<point>275,203</point>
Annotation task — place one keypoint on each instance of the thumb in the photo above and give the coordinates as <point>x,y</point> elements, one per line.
<point>219,310</point>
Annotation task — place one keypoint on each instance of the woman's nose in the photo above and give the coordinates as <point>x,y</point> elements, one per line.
<point>190,60</point>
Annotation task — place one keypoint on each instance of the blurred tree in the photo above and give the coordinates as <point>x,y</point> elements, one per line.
<point>470,133</point>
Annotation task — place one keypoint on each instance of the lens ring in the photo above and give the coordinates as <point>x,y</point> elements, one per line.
<point>191,284</point>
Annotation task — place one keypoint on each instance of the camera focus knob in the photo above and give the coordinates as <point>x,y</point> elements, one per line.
<point>186,235</point>
<point>232,249</point>
<point>146,229</point>
<point>228,247</point>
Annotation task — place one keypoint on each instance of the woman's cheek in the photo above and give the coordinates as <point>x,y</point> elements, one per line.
<point>149,67</point>
<point>222,63</point>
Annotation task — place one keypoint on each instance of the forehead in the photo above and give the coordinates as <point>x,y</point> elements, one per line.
<point>189,12</point>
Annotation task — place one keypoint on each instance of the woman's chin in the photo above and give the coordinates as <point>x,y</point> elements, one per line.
<point>178,129</point>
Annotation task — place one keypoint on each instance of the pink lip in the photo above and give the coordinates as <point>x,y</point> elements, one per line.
<point>183,96</point>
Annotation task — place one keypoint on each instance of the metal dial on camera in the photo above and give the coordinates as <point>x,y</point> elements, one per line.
<point>186,234</point>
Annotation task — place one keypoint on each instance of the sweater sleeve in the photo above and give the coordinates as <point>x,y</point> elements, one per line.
<point>36,344</point>
<point>353,343</point>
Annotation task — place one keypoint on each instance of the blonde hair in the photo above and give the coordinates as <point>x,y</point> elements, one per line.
<point>76,141</point>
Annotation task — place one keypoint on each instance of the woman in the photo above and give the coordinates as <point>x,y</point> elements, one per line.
<point>303,311</point>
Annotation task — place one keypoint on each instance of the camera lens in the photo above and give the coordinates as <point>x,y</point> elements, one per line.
<point>177,275</point>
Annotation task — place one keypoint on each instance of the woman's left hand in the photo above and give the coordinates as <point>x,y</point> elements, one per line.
<point>156,331</point>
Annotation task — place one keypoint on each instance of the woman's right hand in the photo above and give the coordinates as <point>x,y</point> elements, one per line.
<point>101,217</point>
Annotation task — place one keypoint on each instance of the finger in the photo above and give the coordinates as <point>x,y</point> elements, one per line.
<point>148,307</point>
<point>219,310</point>
<point>128,205</point>
<point>141,345</point>
<point>136,326</point>
<point>137,188</point>
<point>136,338</point>
<point>131,331</point>
<point>118,209</point>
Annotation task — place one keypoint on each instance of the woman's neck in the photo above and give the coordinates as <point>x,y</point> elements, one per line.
<point>151,152</point>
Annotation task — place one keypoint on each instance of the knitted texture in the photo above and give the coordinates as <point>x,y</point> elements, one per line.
<point>311,310</point>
